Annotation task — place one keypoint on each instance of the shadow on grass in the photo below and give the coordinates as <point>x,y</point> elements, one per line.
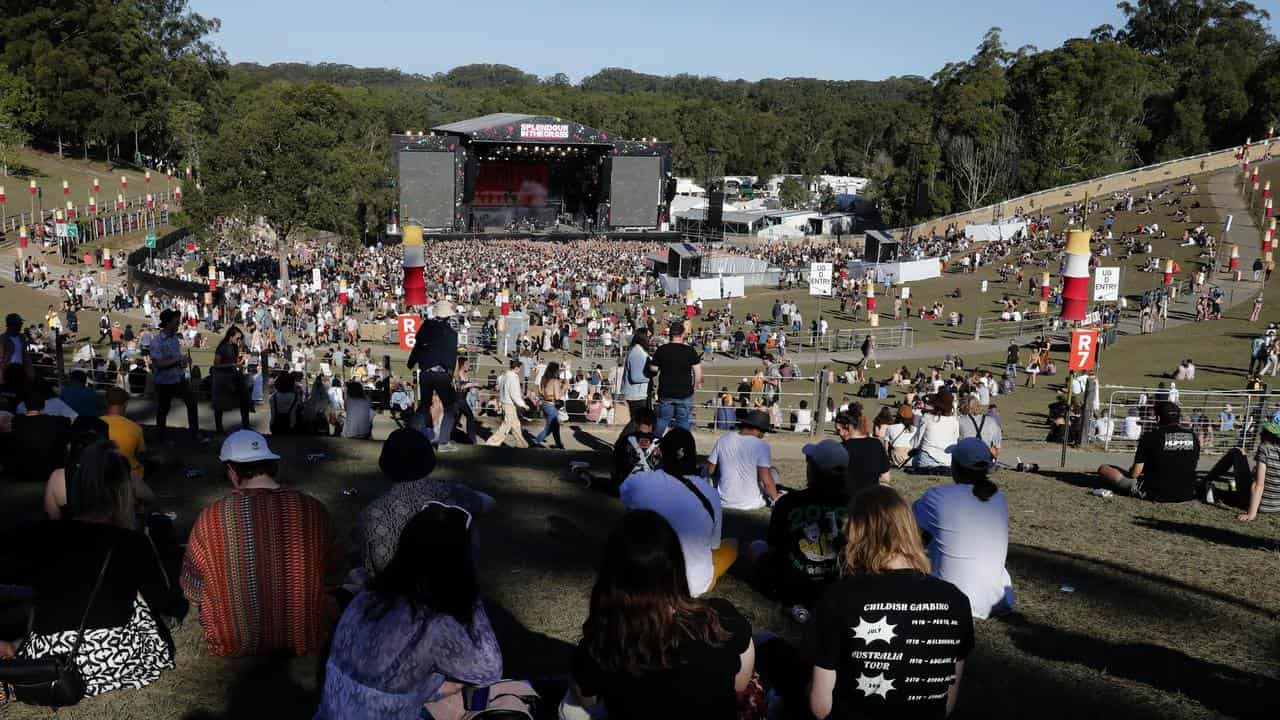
<point>1220,687</point>
<point>265,688</point>
<point>1208,533</point>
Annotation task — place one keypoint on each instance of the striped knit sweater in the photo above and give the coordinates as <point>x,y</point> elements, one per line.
<point>256,564</point>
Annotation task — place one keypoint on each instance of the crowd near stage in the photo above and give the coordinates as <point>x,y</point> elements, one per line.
<point>532,176</point>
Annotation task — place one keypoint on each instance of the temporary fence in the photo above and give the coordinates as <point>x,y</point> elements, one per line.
<point>1223,419</point>
<point>795,401</point>
<point>107,218</point>
<point>994,327</point>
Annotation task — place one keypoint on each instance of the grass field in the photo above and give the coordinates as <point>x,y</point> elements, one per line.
<point>974,302</point>
<point>48,170</point>
<point>1126,608</point>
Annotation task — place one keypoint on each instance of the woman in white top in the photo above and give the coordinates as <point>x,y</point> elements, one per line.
<point>938,431</point>
<point>1104,426</point>
<point>899,437</point>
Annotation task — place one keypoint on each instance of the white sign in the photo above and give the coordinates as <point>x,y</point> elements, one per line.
<point>820,279</point>
<point>544,131</point>
<point>315,278</point>
<point>1106,284</point>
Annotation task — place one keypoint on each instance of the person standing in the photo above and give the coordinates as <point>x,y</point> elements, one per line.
<point>167,367</point>
<point>678,368</point>
<point>229,388</point>
<point>435,354</point>
<point>511,399</point>
<point>635,383</point>
<point>13,346</point>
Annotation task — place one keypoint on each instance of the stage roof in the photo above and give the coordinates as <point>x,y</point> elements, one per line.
<point>522,128</point>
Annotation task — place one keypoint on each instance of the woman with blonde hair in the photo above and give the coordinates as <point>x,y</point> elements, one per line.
<point>889,640</point>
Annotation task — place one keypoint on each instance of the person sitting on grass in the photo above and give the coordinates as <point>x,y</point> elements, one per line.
<point>256,560</point>
<point>678,493</point>
<point>966,526</point>
<point>418,635</point>
<point>885,618</point>
<point>800,555</point>
<point>1164,465</point>
<point>1255,491</point>
<point>407,460</point>
<point>744,463</point>
<point>96,572</point>
<point>649,649</point>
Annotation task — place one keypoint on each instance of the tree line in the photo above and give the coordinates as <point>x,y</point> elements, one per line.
<point>120,78</point>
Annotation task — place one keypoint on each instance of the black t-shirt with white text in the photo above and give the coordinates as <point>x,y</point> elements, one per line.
<point>893,640</point>
<point>1169,456</point>
<point>675,363</point>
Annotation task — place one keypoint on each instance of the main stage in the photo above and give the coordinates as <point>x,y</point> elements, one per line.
<point>514,175</point>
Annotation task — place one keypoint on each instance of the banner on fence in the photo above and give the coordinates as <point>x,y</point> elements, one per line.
<point>408,325</point>
<point>1084,350</point>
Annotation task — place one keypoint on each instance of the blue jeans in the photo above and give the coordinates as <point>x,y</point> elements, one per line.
<point>677,411</point>
<point>551,426</point>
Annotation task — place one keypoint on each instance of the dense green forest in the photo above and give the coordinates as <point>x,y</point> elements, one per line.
<point>115,78</point>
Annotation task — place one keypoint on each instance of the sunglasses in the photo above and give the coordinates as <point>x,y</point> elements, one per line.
<point>466,515</point>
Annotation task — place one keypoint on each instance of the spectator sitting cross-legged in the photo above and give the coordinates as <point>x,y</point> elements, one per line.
<point>678,493</point>
<point>744,462</point>
<point>418,635</point>
<point>649,649</point>
<point>966,526</point>
<point>257,558</point>
<point>407,459</point>
<point>938,431</point>
<point>883,620</point>
<point>98,572</point>
<point>1164,465</point>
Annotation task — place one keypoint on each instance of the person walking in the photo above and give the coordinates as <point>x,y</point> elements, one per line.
<point>435,354</point>
<point>552,391</point>
<point>511,399</point>
<point>678,368</point>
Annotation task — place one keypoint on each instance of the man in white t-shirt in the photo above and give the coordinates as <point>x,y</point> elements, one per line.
<point>967,525</point>
<point>743,460</point>
<point>690,504</point>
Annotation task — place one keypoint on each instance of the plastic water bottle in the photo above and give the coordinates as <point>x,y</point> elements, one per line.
<point>1208,495</point>
<point>1101,492</point>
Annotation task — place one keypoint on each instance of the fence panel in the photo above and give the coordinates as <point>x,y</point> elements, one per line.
<point>1223,419</point>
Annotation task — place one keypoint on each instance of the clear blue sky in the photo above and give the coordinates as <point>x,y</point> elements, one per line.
<point>731,39</point>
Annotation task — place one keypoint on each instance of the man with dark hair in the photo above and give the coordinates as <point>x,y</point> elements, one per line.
<point>636,450</point>
<point>167,363</point>
<point>79,396</point>
<point>40,439</point>
<point>1164,465</point>
<point>257,558</point>
<point>678,368</point>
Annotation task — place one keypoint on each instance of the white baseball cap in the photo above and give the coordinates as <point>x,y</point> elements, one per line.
<point>245,446</point>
